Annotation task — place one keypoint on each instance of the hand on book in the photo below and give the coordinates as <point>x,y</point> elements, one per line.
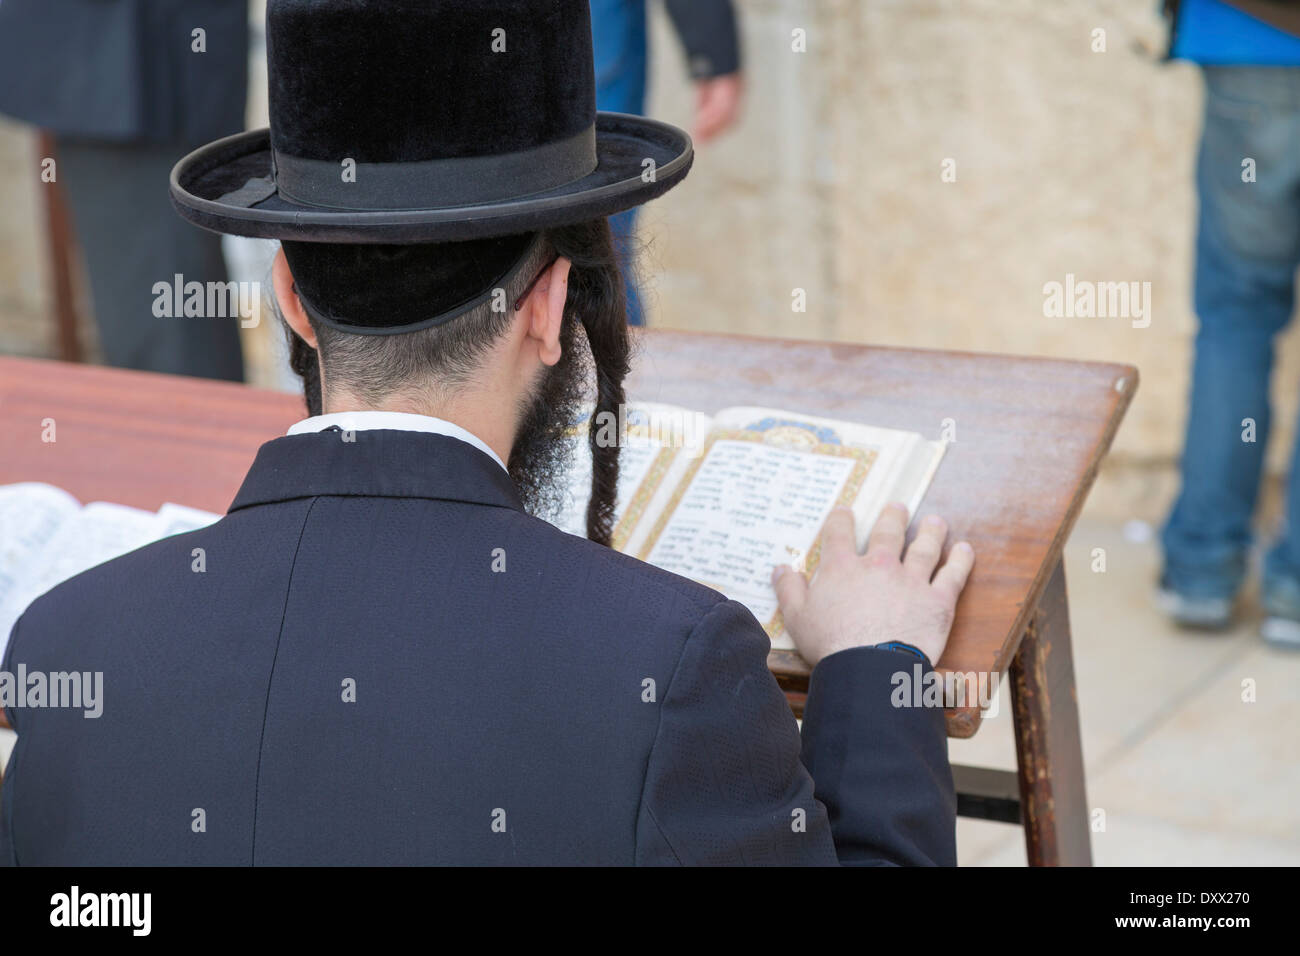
<point>861,600</point>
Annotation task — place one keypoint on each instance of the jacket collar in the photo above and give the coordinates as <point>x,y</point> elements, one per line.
<point>370,420</point>
<point>379,463</point>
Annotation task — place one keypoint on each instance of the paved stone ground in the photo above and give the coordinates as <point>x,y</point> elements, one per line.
<point>1186,772</point>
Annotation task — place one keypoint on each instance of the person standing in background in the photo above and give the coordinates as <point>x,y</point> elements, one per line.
<point>707,29</point>
<point>128,87</point>
<point>1247,252</point>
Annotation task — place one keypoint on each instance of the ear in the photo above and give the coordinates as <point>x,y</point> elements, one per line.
<point>544,308</point>
<point>290,305</point>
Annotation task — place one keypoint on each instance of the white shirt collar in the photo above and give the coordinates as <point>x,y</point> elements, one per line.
<point>398,421</point>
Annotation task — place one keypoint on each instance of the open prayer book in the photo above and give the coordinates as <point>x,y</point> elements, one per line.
<point>47,536</point>
<point>723,500</point>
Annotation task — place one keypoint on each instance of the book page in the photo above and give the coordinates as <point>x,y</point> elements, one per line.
<point>93,535</point>
<point>652,434</point>
<point>760,493</point>
<point>178,519</point>
<point>30,514</point>
<point>905,461</point>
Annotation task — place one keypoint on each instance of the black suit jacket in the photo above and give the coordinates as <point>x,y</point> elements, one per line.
<point>709,35</point>
<point>577,707</point>
<point>125,70</point>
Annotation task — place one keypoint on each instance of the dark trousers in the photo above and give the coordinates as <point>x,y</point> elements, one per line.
<point>131,238</point>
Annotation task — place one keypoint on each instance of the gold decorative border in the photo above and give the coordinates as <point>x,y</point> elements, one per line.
<point>640,499</point>
<point>864,460</point>
<point>625,525</point>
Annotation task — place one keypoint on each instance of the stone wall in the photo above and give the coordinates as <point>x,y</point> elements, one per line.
<point>1067,161</point>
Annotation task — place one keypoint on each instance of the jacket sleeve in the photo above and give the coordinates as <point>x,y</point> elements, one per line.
<point>882,770</point>
<point>7,853</point>
<point>708,32</point>
<point>725,783</point>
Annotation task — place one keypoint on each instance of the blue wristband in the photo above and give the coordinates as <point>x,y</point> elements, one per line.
<point>900,646</point>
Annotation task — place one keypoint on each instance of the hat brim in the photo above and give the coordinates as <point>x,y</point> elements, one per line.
<point>623,143</point>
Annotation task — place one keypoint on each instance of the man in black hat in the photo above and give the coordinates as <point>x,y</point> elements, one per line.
<point>379,655</point>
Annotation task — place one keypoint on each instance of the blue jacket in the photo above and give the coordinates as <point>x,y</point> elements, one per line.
<point>1217,33</point>
<point>576,707</point>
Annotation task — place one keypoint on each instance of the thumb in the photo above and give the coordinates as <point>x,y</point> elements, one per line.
<point>791,589</point>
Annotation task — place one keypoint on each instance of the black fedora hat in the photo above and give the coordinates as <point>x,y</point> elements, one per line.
<point>427,121</point>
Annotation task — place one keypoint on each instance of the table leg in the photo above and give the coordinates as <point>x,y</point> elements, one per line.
<point>1048,747</point>
<point>61,246</point>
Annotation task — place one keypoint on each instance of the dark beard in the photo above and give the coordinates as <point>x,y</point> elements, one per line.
<point>542,451</point>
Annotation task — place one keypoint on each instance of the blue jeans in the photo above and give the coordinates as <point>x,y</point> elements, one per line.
<point>1247,251</point>
<point>618,29</point>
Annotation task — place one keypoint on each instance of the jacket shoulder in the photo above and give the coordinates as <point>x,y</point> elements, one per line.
<point>157,583</point>
<point>620,567</point>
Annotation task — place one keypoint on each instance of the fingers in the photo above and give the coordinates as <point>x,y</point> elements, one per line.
<point>952,577</point>
<point>706,121</point>
<point>838,534</point>
<point>708,126</point>
<point>708,112</point>
<point>717,105</point>
<point>886,541</point>
<point>791,590</point>
<point>926,548</point>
